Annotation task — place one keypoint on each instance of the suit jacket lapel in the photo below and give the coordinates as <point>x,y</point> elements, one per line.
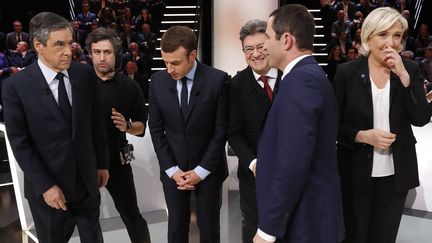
<point>254,88</point>
<point>172,90</point>
<point>363,76</point>
<point>47,96</point>
<point>196,89</point>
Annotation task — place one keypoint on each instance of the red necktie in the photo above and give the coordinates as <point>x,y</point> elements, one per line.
<point>267,88</point>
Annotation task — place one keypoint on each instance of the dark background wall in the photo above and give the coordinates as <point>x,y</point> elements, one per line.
<point>24,10</point>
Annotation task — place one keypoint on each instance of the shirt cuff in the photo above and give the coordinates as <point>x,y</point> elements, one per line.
<point>252,164</point>
<point>201,172</point>
<point>265,236</point>
<point>171,171</point>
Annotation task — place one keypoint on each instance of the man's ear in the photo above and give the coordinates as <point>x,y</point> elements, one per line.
<point>288,41</point>
<point>192,56</point>
<point>37,45</point>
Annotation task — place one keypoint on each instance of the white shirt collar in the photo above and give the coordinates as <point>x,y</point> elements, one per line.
<point>48,73</point>
<point>290,65</point>
<point>272,73</point>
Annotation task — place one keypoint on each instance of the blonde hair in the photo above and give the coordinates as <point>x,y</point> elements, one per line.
<point>379,20</point>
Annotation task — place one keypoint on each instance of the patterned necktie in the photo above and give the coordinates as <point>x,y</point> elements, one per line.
<point>267,88</point>
<point>63,101</point>
<point>184,97</point>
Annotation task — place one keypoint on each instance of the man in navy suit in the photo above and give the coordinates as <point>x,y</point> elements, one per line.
<point>251,95</point>
<point>188,122</point>
<point>55,129</point>
<point>298,189</point>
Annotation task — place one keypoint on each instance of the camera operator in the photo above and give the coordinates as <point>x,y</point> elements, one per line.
<point>124,110</point>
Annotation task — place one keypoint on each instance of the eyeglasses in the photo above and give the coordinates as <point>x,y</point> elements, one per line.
<point>248,50</point>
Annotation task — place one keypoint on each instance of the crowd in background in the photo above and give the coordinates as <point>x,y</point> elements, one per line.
<point>343,21</point>
<point>137,23</point>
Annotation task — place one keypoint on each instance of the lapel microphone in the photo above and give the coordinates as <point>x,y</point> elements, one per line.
<point>46,91</point>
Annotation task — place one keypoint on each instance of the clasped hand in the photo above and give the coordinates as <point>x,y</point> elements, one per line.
<point>186,180</point>
<point>376,137</point>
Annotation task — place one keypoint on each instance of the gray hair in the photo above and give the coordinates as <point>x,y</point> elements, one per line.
<point>44,23</point>
<point>252,27</point>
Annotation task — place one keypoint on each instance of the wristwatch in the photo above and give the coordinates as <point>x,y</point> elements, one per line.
<point>128,125</point>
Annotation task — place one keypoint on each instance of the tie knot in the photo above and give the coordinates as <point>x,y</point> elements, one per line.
<point>59,76</point>
<point>264,78</point>
<point>184,80</point>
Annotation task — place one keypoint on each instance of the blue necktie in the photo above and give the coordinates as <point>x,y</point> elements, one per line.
<point>63,101</point>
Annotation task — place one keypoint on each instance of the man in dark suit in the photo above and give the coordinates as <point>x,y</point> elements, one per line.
<point>12,38</point>
<point>188,122</point>
<point>55,129</point>
<point>78,34</point>
<point>251,94</point>
<point>131,70</point>
<point>21,58</point>
<point>298,190</point>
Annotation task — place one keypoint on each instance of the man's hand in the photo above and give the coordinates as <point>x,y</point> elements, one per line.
<point>54,198</point>
<point>180,180</point>
<point>258,239</point>
<point>118,120</point>
<point>191,178</point>
<point>103,176</point>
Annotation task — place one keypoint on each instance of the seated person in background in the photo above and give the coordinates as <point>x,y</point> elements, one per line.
<point>426,64</point>
<point>340,24</point>
<point>107,17</point>
<point>78,34</point>
<point>14,37</point>
<point>352,54</point>
<point>135,56</point>
<point>127,36</point>
<point>131,70</point>
<point>334,58</point>
<point>78,54</point>
<point>423,40</point>
<point>342,41</point>
<point>86,18</point>
<point>21,57</point>
<point>147,44</point>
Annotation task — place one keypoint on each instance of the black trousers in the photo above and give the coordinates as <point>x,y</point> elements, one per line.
<point>56,226</point>
<point>375,216</point>
<point>122,190</point>
<point>208,198</point>
<point>248,205</point>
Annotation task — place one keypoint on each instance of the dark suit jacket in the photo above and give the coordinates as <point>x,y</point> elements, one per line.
<point>46,149</point>
<point>248,109</point>
<point>11,40</point>
<point>426,69</point>
<point>200,139</point>
<point>408,106</point>
<point>297,183</point>
<point>17,60</point>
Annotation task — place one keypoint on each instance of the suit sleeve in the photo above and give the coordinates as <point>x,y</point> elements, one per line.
<point>21,142</point>
<point>212,156</point>
<point>297,116</point>
<point>236,134</point>
<point>98,126</point>
<point>417,107</point>
<point>157,131</point>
